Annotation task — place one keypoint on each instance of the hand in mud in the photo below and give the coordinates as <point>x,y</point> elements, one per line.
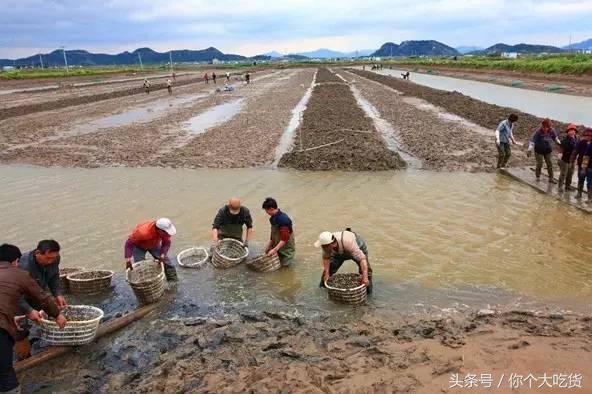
<point>161,258</point>
<point>61,321</point>
<point>325,276</point>
<point>18,320</point>
<point>128,264</point>
<point>365,281</point>
<point>34,316</point>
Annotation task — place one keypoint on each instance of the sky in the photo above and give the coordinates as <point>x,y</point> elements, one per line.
<point>253,27</point>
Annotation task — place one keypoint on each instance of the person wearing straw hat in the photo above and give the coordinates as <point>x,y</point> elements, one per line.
<point>154,237</point>
<point>229,222</point>
<point>43,265</point>
<point>281,240</point>
<point>341,246</point>
<point>14,285</point>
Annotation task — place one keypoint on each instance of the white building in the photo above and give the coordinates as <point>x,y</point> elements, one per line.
<point>7,68</point>
<point>510,55</point>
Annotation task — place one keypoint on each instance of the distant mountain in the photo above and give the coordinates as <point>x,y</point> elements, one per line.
<point>323,53</point>
<point>79,57</point>
<point>468,48</point>
<point>295,56</point>
<point>415,48</point>
<point>587,44</point>
<point>520,48</point>
<point>273,54</point>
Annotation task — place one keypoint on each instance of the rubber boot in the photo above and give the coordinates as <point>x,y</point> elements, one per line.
<point>170,272</point>
<point>22,349</point>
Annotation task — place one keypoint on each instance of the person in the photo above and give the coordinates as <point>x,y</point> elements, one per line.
<point>581,155</point>
<point>206,78</point>
<point>566,166</point>
<point>341,246</point>
<point>169,86</point>
<point>504,134</point>
<point>229,222</point>
<point>281,240</point>
<point>227,76</point>
<point>174,77</point>
<point>214,77</point>
<point>146,86</point>
<point>43,265</point>
<point>14,285</point>
<point>248,78</point>
<point>154,237</point>
<point>542,144</point>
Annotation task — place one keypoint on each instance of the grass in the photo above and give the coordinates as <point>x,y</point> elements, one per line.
<point>561,64</point>
<point>73,72</point>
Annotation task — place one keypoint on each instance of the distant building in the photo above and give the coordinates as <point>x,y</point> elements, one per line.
<point>215,61</point>
<point>7,68</point>
<point>510,55</point>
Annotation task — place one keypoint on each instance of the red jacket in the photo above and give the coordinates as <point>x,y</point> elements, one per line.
<point>146,237</point>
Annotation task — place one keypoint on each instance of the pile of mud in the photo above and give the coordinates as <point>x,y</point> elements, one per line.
<point>479,112</point>
<point>326,76</point>
<point>335,134</point>
<point>264,351</point>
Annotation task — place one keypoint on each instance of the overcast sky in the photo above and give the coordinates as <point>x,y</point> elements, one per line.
<point>252,27</point>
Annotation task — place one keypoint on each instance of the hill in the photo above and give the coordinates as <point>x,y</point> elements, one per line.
<point>520,48</point>
<point>587,44</point>
<point>415,48</point>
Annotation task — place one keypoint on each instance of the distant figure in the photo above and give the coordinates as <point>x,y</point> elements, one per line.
<point>363,67</point>
<point>581,156</point>
<point>174,77</point>
<point>227,76</point>
<point>248,78</point>
<point>169,86</point>
<point>214,77</point>
<point>146,86</point>
<point>405,75</point>
<point>206,78</point>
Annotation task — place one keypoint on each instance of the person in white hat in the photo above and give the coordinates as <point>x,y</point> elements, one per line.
<point>341,246</point>
<point>154,237</point>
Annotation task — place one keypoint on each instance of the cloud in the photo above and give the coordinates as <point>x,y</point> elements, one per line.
<point>252,27</point>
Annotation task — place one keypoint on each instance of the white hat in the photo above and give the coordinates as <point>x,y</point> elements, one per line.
<point>325,238</point>
<point>166,225</point>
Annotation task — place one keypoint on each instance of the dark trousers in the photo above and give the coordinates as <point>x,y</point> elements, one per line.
<point>539,164</point>
<point>503,154</point>
<point>8,380</point>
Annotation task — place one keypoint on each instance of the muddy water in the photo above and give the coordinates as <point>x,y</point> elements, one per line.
<point>561,107</point>
<point>435,239</point>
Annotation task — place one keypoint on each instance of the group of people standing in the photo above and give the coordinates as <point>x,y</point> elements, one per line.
<point>574,152</point>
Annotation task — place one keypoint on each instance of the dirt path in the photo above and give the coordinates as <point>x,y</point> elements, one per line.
<point>51,138</point>
<point>251,135</point>
<point>568,84</point>
<point>442,142</point>
<point>272,351</point>
<point>335,134</point>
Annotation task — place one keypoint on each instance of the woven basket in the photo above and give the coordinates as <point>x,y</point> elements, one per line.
<point>147,280</point>
<point>75,333</point>
<point>222,257</point>
<point>355,296</point>
<point>194,257</point>
<point>265,263</point>
<point>89,282</point>
<point>64,272</point>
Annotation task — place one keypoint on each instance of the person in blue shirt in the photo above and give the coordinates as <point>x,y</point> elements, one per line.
<point>504,135</point>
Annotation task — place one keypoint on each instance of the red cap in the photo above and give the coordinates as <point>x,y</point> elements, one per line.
<point>572,126</point>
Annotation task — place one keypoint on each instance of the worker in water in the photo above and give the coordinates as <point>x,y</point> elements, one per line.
<point>342,246</point>
<point>566,166</point>
<point>174,77</point>
<point>227,76</point>
<point>214,77</point>
<point>504,135</point>
<point>542,143</point>
<point>146,86</point>
<point>281,240</point>
<point>16,284</point>
<point>582,155</point>
<point>206,78</point>
<point>43,265</point>
<point>154,237</point>
<point>169,86</point>
<point>248,78</point>
<point>229,222</point>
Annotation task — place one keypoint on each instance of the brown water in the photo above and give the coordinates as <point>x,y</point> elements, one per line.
<point>435,239</point>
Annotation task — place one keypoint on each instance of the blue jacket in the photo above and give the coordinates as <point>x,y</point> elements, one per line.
<point>47,277</point>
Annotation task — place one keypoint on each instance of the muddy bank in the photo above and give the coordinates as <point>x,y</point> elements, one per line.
<point>442,142</point>
<point>335,134</point>
<point>557,83</point>
<point>361,351</point>
<point>326,76</point>
<point>479,112</point>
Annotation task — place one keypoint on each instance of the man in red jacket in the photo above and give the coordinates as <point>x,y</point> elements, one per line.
<point>154,237</point>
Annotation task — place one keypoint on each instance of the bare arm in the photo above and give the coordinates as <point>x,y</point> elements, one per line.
<point>215,235</point>
<point>249,233</point>
<point>326,264</point>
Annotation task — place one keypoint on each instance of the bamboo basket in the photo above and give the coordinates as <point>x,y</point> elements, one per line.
<point>354,296</point>
<point>76,332</point>
<point>265,263</point>
<point>64,272</point>
<point>147,280</point>
<point>222,254</point>
<point>89,282</point>
<point>194,257</point>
